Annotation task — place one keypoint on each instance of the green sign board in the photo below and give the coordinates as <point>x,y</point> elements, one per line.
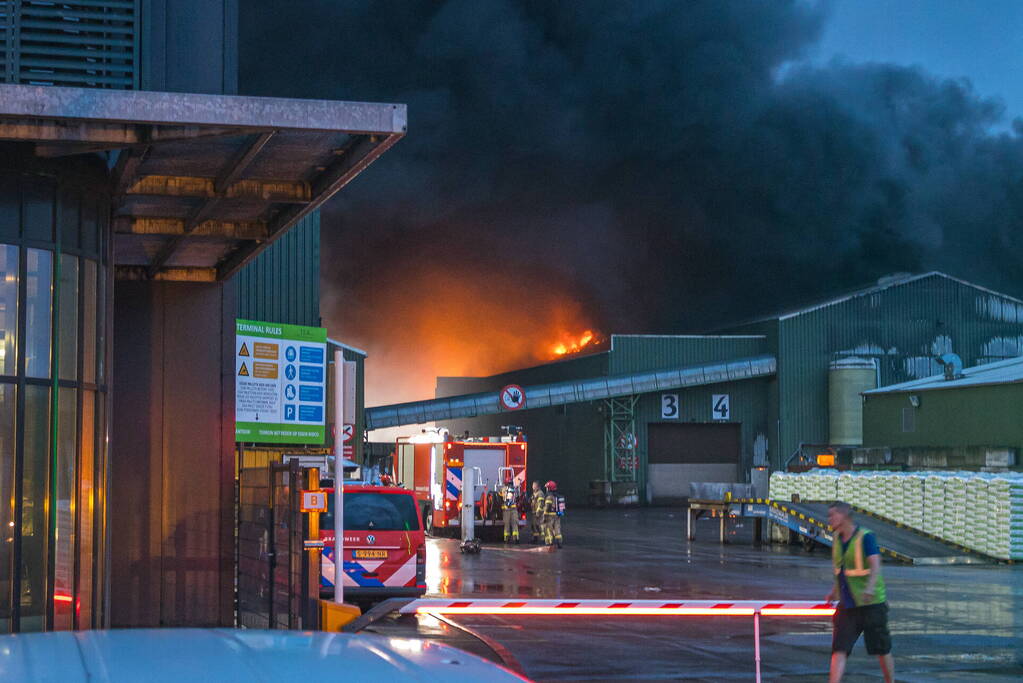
<point>280,383</point>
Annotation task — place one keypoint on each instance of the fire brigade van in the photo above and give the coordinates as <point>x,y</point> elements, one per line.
<point>385,546</point>
<point>438,468</point>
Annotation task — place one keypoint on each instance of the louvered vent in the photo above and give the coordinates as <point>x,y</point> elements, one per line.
<point>89,43</point>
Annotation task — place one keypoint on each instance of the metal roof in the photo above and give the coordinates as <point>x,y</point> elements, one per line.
<point>887,282</point>
<point>203,183</point>
<point>574,391</point>
<point>1001,372</point>
<point>347,347</point>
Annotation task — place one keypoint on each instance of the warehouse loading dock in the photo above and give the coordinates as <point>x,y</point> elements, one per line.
<point>680,454</point>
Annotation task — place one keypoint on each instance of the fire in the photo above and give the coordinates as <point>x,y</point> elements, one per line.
<point>574,344</point>
<point>422,321</point>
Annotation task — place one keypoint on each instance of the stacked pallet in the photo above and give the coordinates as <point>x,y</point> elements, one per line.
<point>934,504</point>
<point>977,510</point>
<point>1005,495</point>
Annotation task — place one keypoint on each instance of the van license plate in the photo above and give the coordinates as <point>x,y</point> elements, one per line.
<point>370,554</point>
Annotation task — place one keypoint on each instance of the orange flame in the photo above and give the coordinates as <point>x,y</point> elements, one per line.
<point>574,344</point>
<point>422,321</point>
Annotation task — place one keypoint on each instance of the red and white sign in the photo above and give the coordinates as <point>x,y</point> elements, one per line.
<point>348,451</point>
<point>314,501</point>
<point>348,432</point>
<point>513,397</point>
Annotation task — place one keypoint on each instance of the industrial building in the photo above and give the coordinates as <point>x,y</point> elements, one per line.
<point>135,186</point>
<point>965,420</point>
<point>654,413</point>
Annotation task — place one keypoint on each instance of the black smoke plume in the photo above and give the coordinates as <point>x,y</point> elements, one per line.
<point>673,164</point>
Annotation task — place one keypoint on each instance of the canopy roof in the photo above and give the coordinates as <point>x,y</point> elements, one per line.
<point>202,183</point>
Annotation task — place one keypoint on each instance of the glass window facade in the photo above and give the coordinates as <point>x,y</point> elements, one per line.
<point>52,402</point>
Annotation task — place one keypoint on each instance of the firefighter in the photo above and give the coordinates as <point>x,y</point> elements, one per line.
<point>553,509</point>
<point>536,502</point>
<point>509,510</point>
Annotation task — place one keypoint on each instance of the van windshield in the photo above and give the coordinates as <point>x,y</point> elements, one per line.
<point>374,512</point>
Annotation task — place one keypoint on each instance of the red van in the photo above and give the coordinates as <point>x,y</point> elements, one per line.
<point>385,545</point>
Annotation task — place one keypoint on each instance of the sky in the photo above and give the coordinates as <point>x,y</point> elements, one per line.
<point>975,39</point>
<point>645,167</point>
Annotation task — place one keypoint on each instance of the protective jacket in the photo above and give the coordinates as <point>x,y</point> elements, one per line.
<point>856,568</point>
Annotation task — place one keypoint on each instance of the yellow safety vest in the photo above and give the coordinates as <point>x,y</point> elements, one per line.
<point>857,569</point>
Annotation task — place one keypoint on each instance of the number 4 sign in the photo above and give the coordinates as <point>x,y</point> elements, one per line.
<point>719,407</point>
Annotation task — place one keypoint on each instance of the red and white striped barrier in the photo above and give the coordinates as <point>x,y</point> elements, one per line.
<point>748,608</point>
<point>614,608</point>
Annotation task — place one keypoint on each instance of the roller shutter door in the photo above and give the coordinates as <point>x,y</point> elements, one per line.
<point>682,453</point>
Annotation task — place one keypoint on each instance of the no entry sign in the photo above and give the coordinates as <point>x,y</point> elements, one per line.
<point>513,397</point>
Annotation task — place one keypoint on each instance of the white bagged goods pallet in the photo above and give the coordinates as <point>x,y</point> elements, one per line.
<point>978,510</point>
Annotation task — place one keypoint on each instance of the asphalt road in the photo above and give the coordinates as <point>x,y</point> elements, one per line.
<point>960,623</point>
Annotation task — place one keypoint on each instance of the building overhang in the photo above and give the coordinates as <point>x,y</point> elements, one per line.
<point>202,183</point>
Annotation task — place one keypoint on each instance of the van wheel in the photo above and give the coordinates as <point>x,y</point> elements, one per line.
<point>428,521</point>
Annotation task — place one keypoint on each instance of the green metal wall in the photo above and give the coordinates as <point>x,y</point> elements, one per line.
<point>86,44</point>
<point>638,353</point>
<point>282,284</point>
<point>968,416</point>
<point>902,327</point>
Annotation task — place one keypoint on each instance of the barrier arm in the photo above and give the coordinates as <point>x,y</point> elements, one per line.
<point>616,608</point>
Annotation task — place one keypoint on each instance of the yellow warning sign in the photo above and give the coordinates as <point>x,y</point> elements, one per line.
<point>244,351</point>
<point>244,371</point>
<point>265,350</point>
<point>264,370</point>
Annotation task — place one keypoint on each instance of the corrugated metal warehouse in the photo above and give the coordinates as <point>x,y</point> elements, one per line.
<point>826,355</point>
<point>968,420</point>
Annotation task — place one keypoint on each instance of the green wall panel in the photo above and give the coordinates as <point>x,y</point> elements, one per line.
<point>969,416</point>
<point>282,284</point>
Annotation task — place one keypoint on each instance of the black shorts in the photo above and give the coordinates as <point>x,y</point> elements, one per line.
<point>870,620</point>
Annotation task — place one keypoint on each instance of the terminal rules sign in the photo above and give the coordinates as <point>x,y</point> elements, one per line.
<point>280,383</point>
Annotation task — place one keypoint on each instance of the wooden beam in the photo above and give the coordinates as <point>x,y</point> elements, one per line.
<point>52,150</point>
<point>276,191</point>
<point>167,274</point>
<point>228,175</point>
<point>246,155</point>
<point>127,166</point>
<point>363,150</point>
<point>235,230</point>
<point>41,130</point>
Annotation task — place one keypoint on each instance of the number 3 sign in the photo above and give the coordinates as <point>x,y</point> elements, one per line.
<point>669,407</point>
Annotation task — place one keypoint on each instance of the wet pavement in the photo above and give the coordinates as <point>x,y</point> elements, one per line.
<point>959,623</point>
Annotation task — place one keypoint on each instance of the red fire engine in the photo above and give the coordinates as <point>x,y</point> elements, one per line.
<point>435,467</point>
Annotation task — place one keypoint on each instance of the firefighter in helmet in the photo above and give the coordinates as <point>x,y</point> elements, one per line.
<point>553,509</point>
<point>536,505</point>
<point>509,509</point>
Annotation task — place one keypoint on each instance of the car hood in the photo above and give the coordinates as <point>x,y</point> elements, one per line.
<point>158,655</point>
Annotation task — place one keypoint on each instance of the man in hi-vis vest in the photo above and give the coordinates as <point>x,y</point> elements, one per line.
<point>859,590</point>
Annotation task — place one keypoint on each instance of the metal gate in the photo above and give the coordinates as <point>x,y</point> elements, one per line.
<point>277,587</point>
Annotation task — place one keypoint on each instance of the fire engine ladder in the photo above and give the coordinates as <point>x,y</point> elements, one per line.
<point>577,391</point>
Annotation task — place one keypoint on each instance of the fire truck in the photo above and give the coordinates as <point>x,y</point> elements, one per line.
<point>438,468</point>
